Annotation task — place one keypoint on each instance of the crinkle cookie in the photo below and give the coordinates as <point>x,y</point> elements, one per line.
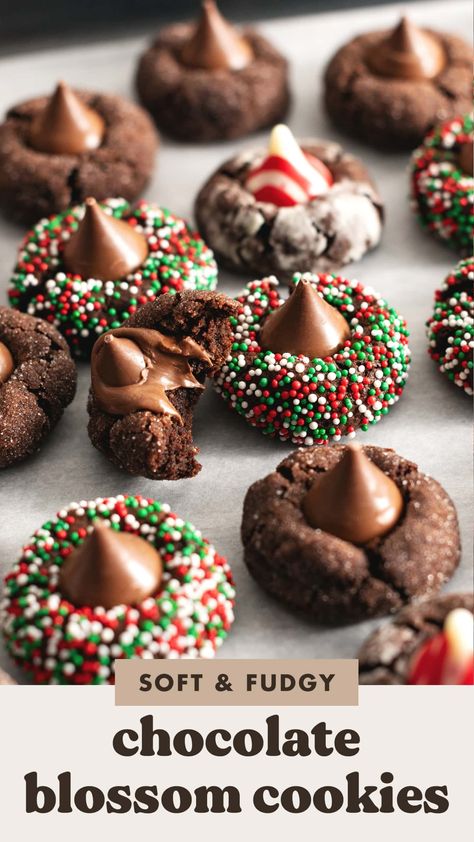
<point>147,377</point>
<point>314,399</point>
<point>55,151</point>
<point>82,306</point>
<point>37,382</point>
<point>442,183</point>
<point>335,579</point>
<point>389,88</point>
<point>319,235</point>
<point>389,655</point>
<point>206,81</point>
<point>112,578</point>
<point>450,330</point>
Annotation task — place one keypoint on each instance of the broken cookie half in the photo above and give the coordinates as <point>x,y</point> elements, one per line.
<point>147,377</point>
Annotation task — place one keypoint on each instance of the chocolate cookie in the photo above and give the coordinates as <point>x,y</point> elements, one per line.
<point>389,88</point>
<point>442,183</point>
<point>387,655</point>
<point>55,151</point>
<point>89,269</point>
<point>5,678</point>
<point>147,378</point>
<point>373,552</point>
<point>205,81</point>
<point>37,382</point>
<point>329,360</point>
<point>451,328</point>
<point>316,235</point>
<point>115,577</point>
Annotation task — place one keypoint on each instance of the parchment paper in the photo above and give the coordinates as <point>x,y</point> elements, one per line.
<point>430,424</point>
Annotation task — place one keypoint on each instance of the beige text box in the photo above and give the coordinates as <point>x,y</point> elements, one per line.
<point>236,682</point>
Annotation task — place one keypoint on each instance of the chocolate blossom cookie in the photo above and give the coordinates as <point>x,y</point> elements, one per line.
<point>442,183</point>
<point>37,382</point>
<point>330,359</point>
<point>429,643</point>
<point>89,269</point>
<point>147,378</point>
<point>116,577</point>
<point>291,209</point>
<point>347,533</point>
<point>389,88</point>
<point>451,327</point>
<point>206,81</point>
<point>55,151</point>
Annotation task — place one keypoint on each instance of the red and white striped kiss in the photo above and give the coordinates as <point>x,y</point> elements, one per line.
<point>288,176</point>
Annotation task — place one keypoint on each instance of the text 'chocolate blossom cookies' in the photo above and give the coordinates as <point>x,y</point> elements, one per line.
<point>66,126</point>
<point>305,324</point>
<point>407,53</point>
<point>181,603</point>
<point>355,500</point>
<point>7,363</point>
<point>133,368</point>
<point>215,44</point>
<point>448,657</point>
<point>111,568</point>
<point>104,247</point>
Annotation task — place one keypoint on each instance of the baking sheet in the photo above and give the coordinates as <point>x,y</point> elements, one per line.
<point>431,423</point>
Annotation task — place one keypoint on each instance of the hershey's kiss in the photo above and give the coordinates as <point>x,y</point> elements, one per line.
<point>305,324</point>
<point>111,568</point>
<point>355,500</point>
<point>66,126</point>
<point>215,44</point>
<point>120,361</point>
<point>466,157</point>
<point>407,52</point>
<point>104,247</point>
<point>7,363</point>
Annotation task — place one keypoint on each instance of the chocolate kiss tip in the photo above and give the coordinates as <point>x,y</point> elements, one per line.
<point>355,500</point>
<point>66,126</point>
<point>7,363</point>
<point>215,44</point>
<point>120,362</point>
<point>407,52</point>
<point>104,247</point>
<point>111,568</point>
<point>305,324</point>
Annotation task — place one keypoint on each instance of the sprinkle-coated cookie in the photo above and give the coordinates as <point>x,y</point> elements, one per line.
<point>442,184</point>
<point>314,401</point>
<point>82,308</point>
<point>62,643</point>
<point>451,328</point>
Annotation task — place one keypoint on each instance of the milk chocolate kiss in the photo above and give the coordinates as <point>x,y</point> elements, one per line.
<point>111,568</point>
<point>215,44</point>
<point>132,369</point>
<point>466,157</point>
<point>407,53</point>
<point>355,500</point>
<point>104,247</point>
<point>7,364</point>
<point>66,126</point>
<point>305,324</point>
